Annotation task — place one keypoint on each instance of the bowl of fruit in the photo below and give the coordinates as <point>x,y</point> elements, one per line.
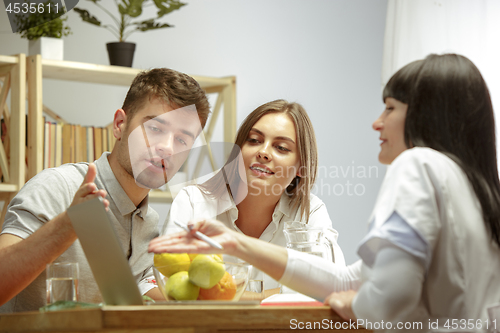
<point>189,277</point>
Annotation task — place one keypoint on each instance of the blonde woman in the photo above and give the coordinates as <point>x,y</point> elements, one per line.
<point>266,182</point>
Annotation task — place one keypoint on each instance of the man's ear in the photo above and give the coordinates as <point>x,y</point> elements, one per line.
<point>119,124</point>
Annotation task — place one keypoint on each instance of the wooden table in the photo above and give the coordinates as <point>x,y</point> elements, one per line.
<point>174,319</point>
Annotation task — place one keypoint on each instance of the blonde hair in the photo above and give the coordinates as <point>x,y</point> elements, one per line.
<point>300,187</point>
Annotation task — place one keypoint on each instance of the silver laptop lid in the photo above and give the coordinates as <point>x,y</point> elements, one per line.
<point>104,253</point>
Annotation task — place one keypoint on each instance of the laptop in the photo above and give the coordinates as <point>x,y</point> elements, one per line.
<point>104,253</point>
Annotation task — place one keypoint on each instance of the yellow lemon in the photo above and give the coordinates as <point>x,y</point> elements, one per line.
<point>193,255</point>
<point>171,263</point>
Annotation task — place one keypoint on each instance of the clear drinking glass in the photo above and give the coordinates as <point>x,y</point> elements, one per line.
<point>255,290</point>
<point>309,239</point>
<point>62,282</point>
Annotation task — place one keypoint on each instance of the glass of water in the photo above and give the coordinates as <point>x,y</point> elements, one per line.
<point>62,282</point>
<point>255,290</point>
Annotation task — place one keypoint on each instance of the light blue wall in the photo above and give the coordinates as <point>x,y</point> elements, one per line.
<point>324,54</point>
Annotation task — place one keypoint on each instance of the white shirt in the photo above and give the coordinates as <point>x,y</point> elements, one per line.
<point>432,194</point>
<point>192,203</point>
<point>436,250</point>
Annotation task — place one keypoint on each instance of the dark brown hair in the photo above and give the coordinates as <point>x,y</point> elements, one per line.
<point>175,88</point>
<point>450,110</point>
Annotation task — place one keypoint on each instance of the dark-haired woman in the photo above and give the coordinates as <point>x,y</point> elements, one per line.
<point>432,251</point>
<point>431,257</point>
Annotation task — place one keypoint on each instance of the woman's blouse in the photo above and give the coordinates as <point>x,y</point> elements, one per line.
<point>442,225</point>
<point>428,218</point>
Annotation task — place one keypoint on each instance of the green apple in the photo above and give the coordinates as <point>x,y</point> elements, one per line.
<point>206,270</point>
<point>180,288</point>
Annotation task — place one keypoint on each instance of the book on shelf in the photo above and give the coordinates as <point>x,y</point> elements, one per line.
<point>104,139</point>
<point>72,143</point>
<point>111,137</point>
<point>90,144</point>
<point>52,149</point>
<point>83,144</point>
<point>66,149</point>
<point>67,143</point>
<point>46,146</point>
<point>58,145</point>
<point>76,147</point>
<point>97,142</point>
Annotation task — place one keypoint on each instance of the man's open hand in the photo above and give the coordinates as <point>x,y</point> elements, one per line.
<point>88,190</point>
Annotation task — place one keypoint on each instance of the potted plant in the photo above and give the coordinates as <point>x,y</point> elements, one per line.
<point>121,53</point>
<point>44,31</point>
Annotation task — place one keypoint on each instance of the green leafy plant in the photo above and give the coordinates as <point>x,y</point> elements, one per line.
<point>42,24</point>
<point>128,10</point>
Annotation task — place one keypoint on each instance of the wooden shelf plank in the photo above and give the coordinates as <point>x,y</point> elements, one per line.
<point>8,188</point>
<point>18,123</point>
<point>113,75</point>
<point>91,73</point>
<point>35,116</point>
<point>8,60</point>
<point>6,63</point>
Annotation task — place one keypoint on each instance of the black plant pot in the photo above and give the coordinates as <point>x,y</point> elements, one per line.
<point>121,53</point>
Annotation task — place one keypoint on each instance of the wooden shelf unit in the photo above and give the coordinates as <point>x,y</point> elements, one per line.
<point>37,68</point>
<point>12,75</point>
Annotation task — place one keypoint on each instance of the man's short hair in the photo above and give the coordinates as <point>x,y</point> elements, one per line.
<point>176,89</point>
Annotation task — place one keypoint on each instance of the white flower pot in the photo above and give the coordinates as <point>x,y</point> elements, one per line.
<point>48,47</point>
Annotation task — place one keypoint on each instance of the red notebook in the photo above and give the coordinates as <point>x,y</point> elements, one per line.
<point>292,299</point>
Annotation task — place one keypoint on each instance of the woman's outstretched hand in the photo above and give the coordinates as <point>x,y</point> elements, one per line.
<point>269,258</point>
<point>341,302</point>
<point>186,242</point>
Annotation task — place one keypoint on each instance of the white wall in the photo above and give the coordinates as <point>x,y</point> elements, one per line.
<point>324,54</point>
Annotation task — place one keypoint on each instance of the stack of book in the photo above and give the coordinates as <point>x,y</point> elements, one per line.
<point>67,143</point>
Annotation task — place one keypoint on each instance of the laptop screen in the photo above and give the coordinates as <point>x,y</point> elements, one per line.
<point>104,253</point>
